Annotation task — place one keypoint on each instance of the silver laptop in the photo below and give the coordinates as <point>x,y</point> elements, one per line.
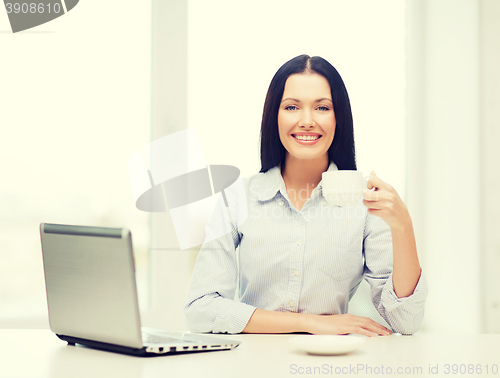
<point>92,294</point>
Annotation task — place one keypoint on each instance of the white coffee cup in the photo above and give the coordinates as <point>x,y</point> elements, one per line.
<point>344,187</point>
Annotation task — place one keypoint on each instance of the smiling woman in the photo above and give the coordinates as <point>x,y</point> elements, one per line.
<point>233,51</point>
<point>313,115</point>
<point>298,268</point>
<point>307,95</point>
<point>307,106</point>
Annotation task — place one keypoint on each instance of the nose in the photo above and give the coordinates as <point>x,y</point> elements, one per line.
<point>306,119</point>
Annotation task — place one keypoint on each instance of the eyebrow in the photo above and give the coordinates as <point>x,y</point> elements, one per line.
<point>318,100</point>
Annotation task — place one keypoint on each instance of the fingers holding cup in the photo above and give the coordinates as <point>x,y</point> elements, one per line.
<point>371,193</point>
<point>374,182</point>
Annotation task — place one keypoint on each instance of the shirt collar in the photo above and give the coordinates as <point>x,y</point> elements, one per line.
<point>271,182</point>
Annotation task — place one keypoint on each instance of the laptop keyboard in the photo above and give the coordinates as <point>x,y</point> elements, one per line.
<point>157,339</point>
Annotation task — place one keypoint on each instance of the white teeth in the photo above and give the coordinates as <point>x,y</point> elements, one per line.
<point>300,137</point>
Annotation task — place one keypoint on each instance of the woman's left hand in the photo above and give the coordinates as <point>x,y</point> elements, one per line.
<point>385,202</point>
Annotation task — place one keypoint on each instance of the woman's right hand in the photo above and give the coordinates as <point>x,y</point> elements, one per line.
<point>343,324</point>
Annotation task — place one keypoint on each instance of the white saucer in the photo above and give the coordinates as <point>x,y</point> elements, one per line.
<point>327,344</point>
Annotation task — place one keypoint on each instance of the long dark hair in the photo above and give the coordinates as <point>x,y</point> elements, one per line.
<point>342,151</point>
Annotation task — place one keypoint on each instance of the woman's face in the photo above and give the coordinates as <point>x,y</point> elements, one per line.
<point>306,112</point>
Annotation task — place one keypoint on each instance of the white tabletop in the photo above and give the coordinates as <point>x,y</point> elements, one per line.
<point>39,353</point>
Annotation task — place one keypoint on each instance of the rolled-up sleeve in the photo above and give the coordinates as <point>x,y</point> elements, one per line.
<point>405,314</point>
<point>210,304</point>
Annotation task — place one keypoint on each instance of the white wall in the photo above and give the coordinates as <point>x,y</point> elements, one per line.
<point>490,161</point>
<point>74,105</point>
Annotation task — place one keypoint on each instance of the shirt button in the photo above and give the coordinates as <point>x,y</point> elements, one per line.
<point>281,203</point>
<point>298,242</point>
<point>296,272</point>
<point>307,220</point>
<point>324,203</point>
<point>291,303</point>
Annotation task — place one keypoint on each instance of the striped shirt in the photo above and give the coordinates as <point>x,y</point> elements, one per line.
<point>281,259</point>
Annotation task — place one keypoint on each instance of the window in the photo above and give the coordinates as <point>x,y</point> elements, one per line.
<point>75,105</point>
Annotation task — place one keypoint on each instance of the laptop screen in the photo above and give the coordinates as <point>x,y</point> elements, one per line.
<point>90,283</point>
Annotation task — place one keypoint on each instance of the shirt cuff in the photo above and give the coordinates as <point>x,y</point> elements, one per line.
<point>233,317</point>
<point>413,303</point>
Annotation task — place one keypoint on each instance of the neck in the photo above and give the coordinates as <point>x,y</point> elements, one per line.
<point>303,173</point>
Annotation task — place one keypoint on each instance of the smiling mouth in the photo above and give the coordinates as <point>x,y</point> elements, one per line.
<point>307,138</point>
